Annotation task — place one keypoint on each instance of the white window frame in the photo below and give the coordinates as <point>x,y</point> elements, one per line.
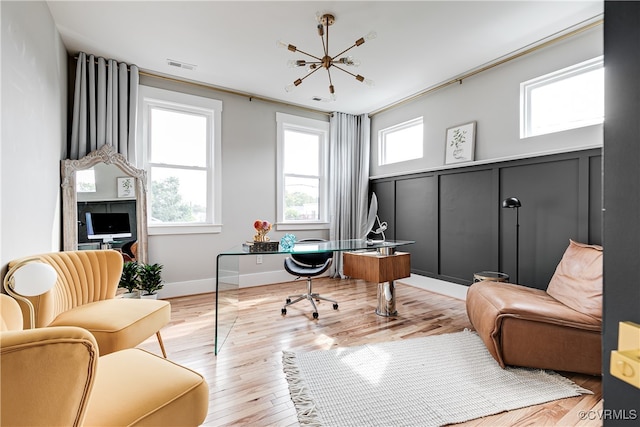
<point>566,73</point>
<point>296,123</point>
<point>382,140</point>
<point>150,97</point>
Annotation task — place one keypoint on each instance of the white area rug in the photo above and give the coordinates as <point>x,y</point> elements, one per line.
<point>429,381</point>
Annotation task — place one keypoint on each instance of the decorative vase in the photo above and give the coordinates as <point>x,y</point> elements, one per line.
<point>151,296</point>
<point>261,236</point>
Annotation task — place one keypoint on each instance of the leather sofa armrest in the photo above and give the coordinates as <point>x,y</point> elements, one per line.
<point>46,375</point>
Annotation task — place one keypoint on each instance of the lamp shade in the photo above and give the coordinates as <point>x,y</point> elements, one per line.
<point>34,278</point>
<point>511,202</point>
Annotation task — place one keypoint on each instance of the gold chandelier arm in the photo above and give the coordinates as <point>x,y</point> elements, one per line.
<point>342,69</point>
<point>344,51</point>
<point>311,72</point>
<point>308,54</point>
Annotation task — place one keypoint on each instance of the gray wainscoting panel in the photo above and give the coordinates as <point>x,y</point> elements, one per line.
<point>595,200</point>
<point>417,219</point>
<point>455,215</point>
<point>548,218</point>
<point>467,216</point>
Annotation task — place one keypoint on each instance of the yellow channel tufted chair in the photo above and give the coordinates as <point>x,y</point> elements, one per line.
<point>54,377</point>
<point>84,296</point>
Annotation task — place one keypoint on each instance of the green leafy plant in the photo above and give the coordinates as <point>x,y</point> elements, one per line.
<point>150,278</point>
<point>130,276</point>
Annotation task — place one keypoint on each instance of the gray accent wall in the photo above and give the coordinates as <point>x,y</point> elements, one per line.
<point>455,215</point>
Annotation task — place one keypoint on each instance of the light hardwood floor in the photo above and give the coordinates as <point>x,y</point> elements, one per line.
<point>247,385</point>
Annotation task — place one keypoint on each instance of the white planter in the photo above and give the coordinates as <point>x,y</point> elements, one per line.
<point>152,296</point>
<point>134,294</point>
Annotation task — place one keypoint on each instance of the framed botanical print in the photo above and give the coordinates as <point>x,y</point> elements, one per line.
<point>126,186</point>
<point>460,143</point>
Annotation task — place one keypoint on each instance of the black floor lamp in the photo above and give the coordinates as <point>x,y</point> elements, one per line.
<point>513,202</point>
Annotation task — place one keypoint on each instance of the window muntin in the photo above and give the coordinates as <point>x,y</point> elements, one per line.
<point>302,177</point>
<point>401,142</point>
<point>566,99</point>
<point>182,157</point>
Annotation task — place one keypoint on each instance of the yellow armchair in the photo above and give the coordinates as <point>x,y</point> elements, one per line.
<point>54,377</point>
<point>84,296</point>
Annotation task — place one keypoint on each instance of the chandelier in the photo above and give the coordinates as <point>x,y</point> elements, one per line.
<point>326,62</point>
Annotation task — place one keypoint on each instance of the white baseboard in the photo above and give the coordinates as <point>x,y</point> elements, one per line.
<point>191,287</point>
<point>202,286</point>
<point>435,285</point>
<point>265,278</point>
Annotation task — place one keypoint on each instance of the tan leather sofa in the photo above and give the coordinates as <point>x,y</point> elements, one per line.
<point>54,377</point>
<point>85,296</point>
<point>559,329</point>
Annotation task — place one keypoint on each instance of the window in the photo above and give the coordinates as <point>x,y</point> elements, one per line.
<point>86,181</point>
<point>302,173</point>
<point>401,142</point>
<point>181,135</point>
<point>566,99</point>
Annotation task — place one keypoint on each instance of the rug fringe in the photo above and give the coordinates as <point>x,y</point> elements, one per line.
<point>568,382</point>
<point>305,407</point>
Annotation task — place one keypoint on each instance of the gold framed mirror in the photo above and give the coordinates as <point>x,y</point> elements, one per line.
<point>104,155</point>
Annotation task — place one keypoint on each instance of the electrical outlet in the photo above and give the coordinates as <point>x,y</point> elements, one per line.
<point>258,259</point>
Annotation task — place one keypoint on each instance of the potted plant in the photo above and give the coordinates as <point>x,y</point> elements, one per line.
<point>150,280</point>
<point>129,279</point>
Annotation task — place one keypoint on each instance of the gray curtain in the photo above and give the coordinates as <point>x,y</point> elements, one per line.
<point>105,107</point>
<point>348,180</point>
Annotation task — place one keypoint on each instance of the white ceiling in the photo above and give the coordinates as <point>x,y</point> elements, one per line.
<point>233,44</point>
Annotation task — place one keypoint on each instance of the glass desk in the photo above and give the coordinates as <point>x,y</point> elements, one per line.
<point>228,274</point>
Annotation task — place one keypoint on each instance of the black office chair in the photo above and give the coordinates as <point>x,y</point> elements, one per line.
<point>308,265</point>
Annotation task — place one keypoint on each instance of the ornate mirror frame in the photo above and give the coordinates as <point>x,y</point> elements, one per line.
<point>105,154</point>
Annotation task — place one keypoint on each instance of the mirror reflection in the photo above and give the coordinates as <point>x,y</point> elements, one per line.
<point>105,204</point>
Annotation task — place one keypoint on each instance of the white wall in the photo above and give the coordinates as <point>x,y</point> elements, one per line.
<point>248,193</point>
<point>491,98</point>
<point>34,116</point>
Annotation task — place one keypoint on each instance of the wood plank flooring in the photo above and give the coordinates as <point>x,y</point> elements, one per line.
<point>247,385</point>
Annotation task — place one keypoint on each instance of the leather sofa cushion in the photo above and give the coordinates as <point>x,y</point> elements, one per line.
<point>134,387</point>
<point>118,323</point>
<point>577,281</point>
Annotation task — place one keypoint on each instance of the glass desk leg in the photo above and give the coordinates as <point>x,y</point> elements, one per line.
<point>227,286</point>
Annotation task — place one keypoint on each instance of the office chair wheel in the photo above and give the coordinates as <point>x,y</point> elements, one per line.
<point>335,306</point>
<point>315,314</point>
<point>288,300</point>
<point>283,311</point>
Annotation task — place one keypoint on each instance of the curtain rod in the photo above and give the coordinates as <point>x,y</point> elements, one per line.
<point>490,66</point>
